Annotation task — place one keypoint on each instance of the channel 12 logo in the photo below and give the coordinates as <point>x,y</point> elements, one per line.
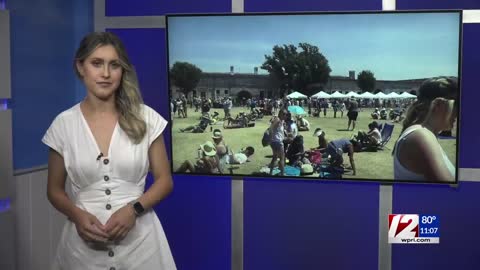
<point>413,229</point>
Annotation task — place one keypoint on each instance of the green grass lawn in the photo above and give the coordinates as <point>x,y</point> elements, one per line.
<point>370,165</point>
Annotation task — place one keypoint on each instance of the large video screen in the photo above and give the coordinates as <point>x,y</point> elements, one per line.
<point>369,96</point>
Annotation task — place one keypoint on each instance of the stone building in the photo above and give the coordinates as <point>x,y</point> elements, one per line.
<point>217,85</point>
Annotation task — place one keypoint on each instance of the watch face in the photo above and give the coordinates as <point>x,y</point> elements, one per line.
<point>138,208</point>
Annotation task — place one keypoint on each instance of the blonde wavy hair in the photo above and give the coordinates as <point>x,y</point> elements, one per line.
<point>441,87</point>
<point>128,99</point>
<point>430,92</point>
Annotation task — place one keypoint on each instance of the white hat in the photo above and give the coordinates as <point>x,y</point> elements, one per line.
<point>208,148</point>
<point>217,134</point>
<point>318,132</point>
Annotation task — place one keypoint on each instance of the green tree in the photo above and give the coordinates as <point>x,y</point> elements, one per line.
<point>366,81</point>
<point>185,76</point>
<point>296,68</point>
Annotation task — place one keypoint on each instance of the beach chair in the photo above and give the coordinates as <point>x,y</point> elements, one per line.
<point>386,133</point>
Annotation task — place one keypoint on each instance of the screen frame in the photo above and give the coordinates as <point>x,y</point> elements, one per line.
<point>310,178</point>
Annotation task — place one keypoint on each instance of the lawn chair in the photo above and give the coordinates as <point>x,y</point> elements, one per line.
<point>386,132</point>
<point>380,127</point>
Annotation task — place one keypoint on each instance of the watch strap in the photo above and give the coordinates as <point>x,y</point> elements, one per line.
<point>137,207</point>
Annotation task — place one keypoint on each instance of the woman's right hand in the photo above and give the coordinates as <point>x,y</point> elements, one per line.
<point>89,228</point>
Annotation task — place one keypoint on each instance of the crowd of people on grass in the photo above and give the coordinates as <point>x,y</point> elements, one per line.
<point>315,107</point>
<point>423,119</point>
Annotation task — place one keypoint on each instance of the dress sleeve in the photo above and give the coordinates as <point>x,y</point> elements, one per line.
<point>55,135</point>
<point>155,124</point>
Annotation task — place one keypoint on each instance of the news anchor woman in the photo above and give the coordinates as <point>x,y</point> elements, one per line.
<point>417,154</point>
<point>106,145</point>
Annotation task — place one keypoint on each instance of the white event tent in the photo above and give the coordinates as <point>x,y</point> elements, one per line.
<point>366,95</point>
<point>337,94</point>
<point>407,95</point>
<point>393,95</point>
<point>297,95</point>
<point>321,94</point>
<point>381,95</point>
<point>352,94</point>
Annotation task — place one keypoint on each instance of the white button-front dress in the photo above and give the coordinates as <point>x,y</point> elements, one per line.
<point>103,184</point>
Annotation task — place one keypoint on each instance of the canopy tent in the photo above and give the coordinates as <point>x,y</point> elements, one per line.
<point>337,94</point>
<point>393,95</point>
<point>381,95</point>
<point>352,94</point>
<point>407,95</point>
<point>321,94</point>
<point>366,95</point>
<point>296,95</point>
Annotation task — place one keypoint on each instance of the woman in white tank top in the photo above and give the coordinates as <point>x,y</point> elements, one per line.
<point>417,154</point>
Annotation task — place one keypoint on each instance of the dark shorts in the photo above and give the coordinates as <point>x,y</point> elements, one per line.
<point>277,146</point>
<point>352,116</point>
<point>336,154</point>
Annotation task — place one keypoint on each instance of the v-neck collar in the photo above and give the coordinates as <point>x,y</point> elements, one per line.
<point>92,138</point>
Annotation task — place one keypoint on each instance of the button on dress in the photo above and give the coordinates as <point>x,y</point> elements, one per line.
<point>103,184</point>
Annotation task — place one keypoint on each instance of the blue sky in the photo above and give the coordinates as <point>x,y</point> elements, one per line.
<point>393,46</point>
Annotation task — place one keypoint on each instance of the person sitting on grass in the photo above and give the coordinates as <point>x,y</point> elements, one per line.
<point>296,151</point>
<point>322,142</point>
<point>200,127</point>
<point>383,114</point>
<point>398,114</point>
<point>372,138</point>
<point>217,138</point>
<point>375,114</point>
<point>220,145</point>
<point>302,123</point>
<point>208,162</point>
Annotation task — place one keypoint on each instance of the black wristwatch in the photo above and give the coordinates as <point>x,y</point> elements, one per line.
<point>137,207</point>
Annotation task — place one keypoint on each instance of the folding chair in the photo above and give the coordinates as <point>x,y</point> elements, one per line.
<point>386,133</point>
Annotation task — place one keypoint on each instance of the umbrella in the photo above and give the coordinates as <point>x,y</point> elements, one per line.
<point>296,110</point>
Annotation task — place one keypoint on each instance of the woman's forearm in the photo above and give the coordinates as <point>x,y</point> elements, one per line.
<point>157,192</point>
<point>60,200</point>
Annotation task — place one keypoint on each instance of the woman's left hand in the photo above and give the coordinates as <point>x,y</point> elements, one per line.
<point>120,223</point>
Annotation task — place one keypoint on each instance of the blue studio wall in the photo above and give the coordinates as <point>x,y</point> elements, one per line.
<point>44,36</point>
<point>287,224</point>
